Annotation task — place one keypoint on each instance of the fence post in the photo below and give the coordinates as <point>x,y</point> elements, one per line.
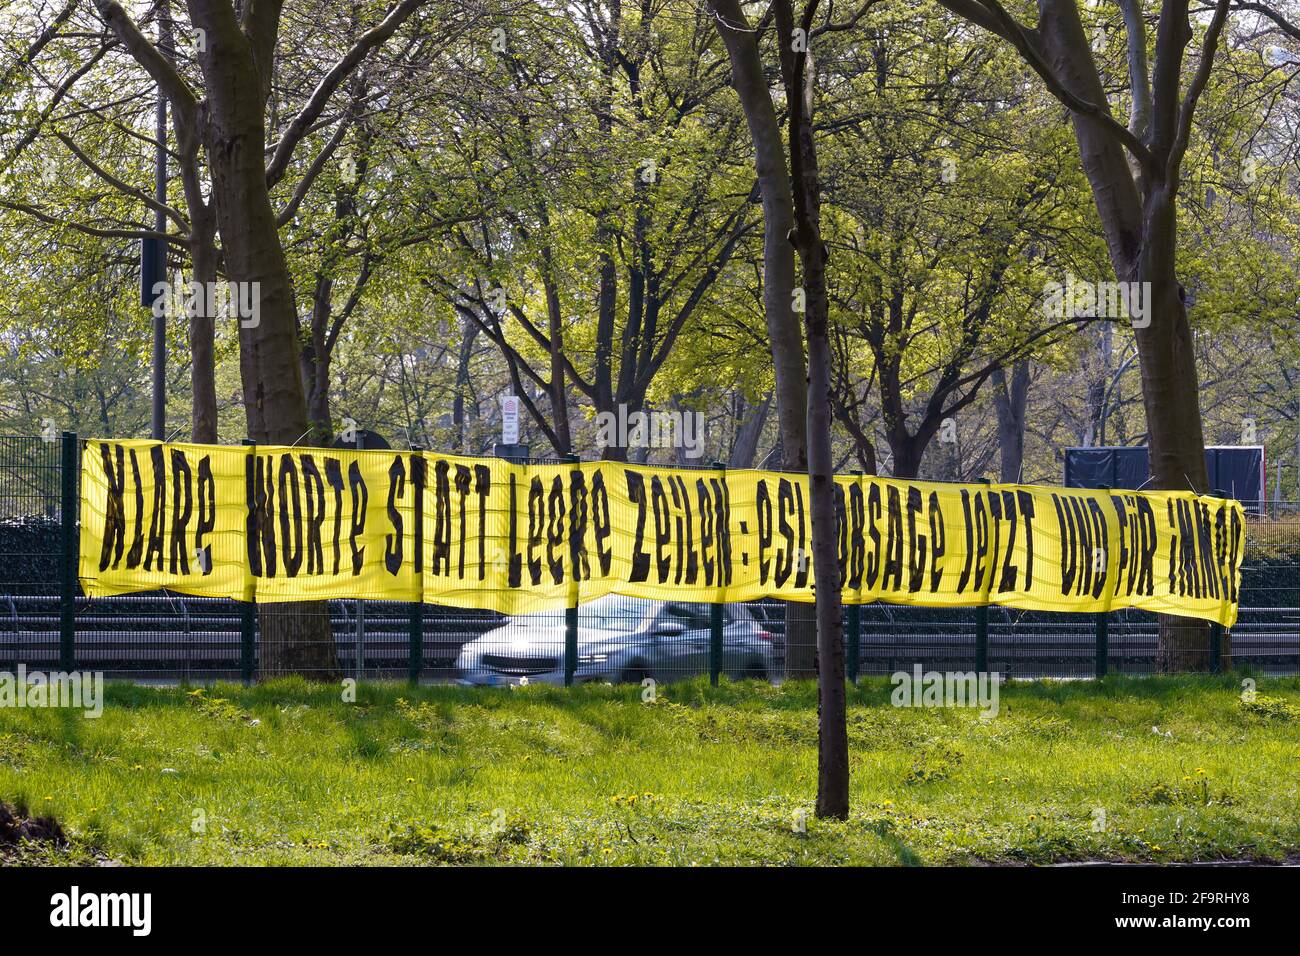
<point>1216,629</point>
<point>855,640</point>
<point>359,641</point>
<point>982,624</point>
<point>1103,644</point>
<point>715,643</point>
<point>68,552</point>
<point>854,625</point>
<point>715,617</point>
<point>415,641</point>
<point>416,664</point>
<point>247,639</point>
<point>247,620</point>
<point>571,614</point>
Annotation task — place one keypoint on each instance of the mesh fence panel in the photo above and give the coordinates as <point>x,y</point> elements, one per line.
<point>30,545</point>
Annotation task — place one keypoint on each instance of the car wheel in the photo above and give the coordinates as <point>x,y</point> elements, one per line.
<point>755,671</point>
<point>634,673</point>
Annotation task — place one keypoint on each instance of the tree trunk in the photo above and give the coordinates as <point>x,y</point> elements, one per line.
<point>907,448</point>
<point>907,453</point>
<point>606,237</point>
<point>315,358</point>
<point>753,418</point>
<point>1170,387</point>
<point>459,416</point>
<point>202,327</point>
<point>1010,398</point>
<point>784,334</point>
<point>272,380</point>
<point>1141,230</point>
<point>295,638</point>
<point>783,329</point>
<point>832,730</point>
<point>558,392</point>
<point>1176,447</point>
<point>318,400</point>
<point>1098,388</point>
<point>832,736</point>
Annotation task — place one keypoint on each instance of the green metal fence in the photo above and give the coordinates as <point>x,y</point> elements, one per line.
<point>46,622</point>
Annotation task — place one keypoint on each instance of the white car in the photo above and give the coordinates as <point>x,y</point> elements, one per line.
<point>620,639</point>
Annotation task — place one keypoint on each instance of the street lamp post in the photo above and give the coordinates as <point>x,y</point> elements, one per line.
<point>153,270</point>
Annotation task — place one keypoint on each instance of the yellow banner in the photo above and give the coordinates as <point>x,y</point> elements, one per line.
<point>285,524</point>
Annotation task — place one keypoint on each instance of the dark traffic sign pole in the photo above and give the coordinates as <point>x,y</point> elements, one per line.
<point>153,270</point>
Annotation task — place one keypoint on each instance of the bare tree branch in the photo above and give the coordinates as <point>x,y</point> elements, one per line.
<point>313,171</point>
<point>51,220</point>
<point>320,96</point>
<point>1139,78</point>
<point>1282,23</point>
<point>1194,89</point>
<point>172,84</point>
<point>133,191</point>
<point>1025,41</point>
<point>39,44</point>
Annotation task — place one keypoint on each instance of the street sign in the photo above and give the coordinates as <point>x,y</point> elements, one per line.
<point>509,420</point>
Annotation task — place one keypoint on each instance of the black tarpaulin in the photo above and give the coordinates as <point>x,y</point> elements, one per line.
<point>1237,471</point>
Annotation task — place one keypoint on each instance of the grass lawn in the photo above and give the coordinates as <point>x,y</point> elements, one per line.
<point>1126,769</point>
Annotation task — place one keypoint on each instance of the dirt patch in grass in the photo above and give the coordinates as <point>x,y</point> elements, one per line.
<point>18,832</point>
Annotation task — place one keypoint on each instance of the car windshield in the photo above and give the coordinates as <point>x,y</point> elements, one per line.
<point>610,613</point>
<point>613,613</point>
